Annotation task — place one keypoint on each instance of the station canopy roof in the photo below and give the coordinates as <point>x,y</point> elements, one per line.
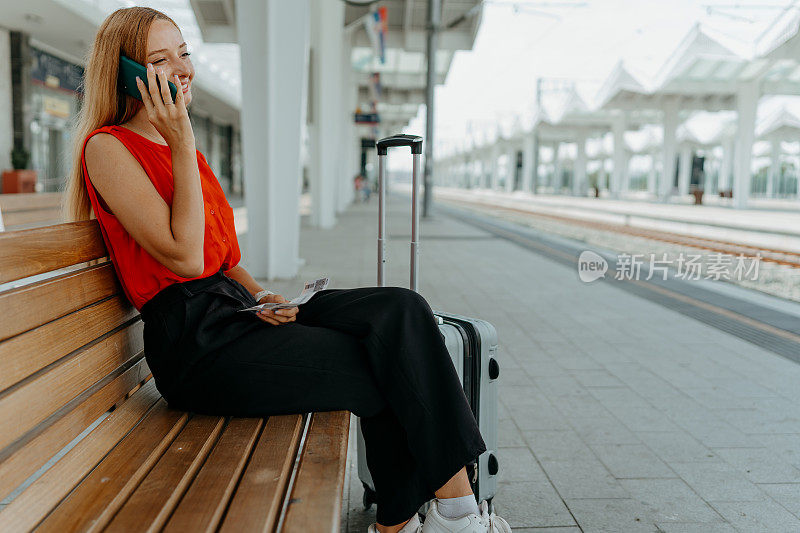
<point>403,73</point>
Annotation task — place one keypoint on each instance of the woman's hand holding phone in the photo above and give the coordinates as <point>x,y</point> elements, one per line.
<point>170,118</point>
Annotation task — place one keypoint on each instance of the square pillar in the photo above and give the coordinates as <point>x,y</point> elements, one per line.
<point>774,168</point>
<point>579,175</point>
<point>620,170</point>
<point>557,170</point>
<point>726,166</point>
<point>746,105</point>
<point>273,36</point>
<point>511,170</point>
<point>685,169</point>
<point>528,161</point>
<point>348,155</point>
<point>327,36</point>
<point>670,144</point>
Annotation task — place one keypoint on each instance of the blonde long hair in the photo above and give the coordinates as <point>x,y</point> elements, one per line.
<point>125,32</point>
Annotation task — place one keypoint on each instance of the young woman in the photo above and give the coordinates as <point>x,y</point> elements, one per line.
<point>375,351</point>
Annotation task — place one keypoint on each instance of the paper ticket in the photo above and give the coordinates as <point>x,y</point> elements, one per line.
<point>309,290</point>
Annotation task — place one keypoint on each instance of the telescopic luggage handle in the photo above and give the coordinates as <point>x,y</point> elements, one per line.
<point>415,142</point>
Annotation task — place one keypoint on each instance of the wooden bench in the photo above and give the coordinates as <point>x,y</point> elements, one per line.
<point>30,210</point>
<point>72,368</point>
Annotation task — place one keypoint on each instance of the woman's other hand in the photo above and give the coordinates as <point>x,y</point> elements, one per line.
<point>170,118</point>
<point>278,316</point>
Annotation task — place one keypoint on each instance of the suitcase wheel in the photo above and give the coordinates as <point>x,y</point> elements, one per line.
<point>370,497</point>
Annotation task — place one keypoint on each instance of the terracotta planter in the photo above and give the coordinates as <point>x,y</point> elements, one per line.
<point>15,181</point>
<point>698,196</point>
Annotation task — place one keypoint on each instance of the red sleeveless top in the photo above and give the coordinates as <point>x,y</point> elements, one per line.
<point>140,274</point>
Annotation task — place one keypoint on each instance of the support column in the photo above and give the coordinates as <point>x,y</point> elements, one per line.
<point>327,21</point>
<point>511,169</point>
<point>579,175</point>
<point>619,171</point>
<point>652,175</point>
<point>348,152</point>
<point>495,168</point>
<point>746,105</point>
<point>670,144</point>
<point>527,163</point>
<point>774,168</point>
<point>6,113</point>
<point>273,35</point>
<point>685,170</point>
<point>555,182</point>
<point>707,181</point>
<point>724,180</point>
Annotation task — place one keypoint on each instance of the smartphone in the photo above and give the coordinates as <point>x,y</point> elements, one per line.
<point>129,69</point>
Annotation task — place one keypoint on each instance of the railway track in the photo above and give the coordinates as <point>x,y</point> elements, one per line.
<point>781,257</point>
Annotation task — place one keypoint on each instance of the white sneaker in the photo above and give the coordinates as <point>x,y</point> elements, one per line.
<point>471,523</point>
<point>412,526</point>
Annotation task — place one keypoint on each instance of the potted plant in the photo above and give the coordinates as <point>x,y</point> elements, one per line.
<point>21,179</point>
<point>697,192</point>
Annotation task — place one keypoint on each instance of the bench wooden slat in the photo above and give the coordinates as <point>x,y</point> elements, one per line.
<point>320,475</point>
<point>204,503</point>
<point>257,502</point>
<point>41,302</point>
<point>35,251</point>
<point>156,497</point>
<point>27,353</point>
<point>23,407</point>
<point>95,501</point>
<point>26,460</point>
<point>33,505</point>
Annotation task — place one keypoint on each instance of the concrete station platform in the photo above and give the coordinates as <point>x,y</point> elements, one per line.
<point>617,413</point>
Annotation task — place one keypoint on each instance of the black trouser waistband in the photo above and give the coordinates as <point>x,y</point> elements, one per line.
<point>181,291</point>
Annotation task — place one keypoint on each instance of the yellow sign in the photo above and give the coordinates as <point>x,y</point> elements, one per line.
<point>56,107</point>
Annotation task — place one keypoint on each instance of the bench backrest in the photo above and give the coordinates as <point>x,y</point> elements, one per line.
<point>70,343</point>
<point>29,210</point>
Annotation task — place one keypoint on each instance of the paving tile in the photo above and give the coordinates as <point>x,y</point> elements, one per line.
<point>684,527</point>
<point>558,445</point>
<point>528,418</point>
<point>526,504</point>
<point>616,395</point>
<point>580,407</point>
<point>676,446</point>
<point>716,433</point>
<point>547,529</point>
<point>760,465</point>
<point>612,515</point>
<point>670,500</point>
<point>631,461</point>
<point>603,430</point>
<point>785,447</point>
<point>596,378</point>
<point>786,494</point>
<point>508,435</point>
<point>583,479</point>
<point>519,464</point>
<point>766,516</point>
<point>642,417</point>
<point>718,481</point>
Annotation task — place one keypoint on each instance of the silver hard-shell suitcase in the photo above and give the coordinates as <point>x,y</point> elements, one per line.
<point>471,342</point>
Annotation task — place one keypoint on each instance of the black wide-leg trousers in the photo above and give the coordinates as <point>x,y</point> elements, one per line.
<point>375,351</point>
